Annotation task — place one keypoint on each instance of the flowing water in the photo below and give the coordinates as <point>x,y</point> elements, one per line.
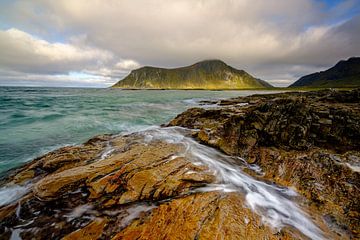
<point>273,203</point>
<point>36,120</point>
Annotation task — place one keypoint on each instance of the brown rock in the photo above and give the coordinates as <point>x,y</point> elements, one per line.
<point>91,232</point>
<point>101,189</point>
<point>291,137</point>
<point>325,121</point>
<point>201,216</point>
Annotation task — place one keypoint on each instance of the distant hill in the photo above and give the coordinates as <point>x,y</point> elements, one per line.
<point>209,74</point>
<point>345,73</point>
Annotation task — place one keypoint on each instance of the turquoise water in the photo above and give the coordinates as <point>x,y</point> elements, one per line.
<point>34,121</point>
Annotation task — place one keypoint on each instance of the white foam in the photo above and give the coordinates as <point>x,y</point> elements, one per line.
<point>18,210</point>
<point>353,167</point>
<point>134,213</point>
<point>15,234</point>
<point>12,193</point>
<point>192,101</point>
<point>79,211</point>
<point>107,152</point>
<point>273,203</point>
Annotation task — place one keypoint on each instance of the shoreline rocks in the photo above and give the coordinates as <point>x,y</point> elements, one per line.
<point>93,189</point>
<point>307,140</point>
<point>148,186</point>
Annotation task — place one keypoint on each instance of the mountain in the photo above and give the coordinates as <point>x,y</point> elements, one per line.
<point>209,74</point>
<point>345,73</point>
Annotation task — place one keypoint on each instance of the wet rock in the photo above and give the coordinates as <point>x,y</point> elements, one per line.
<point>59,160</point>
<point>91,232</point>
<point>292,137</point>
<point>201,216</point>
<point>86,197</point>
<point>325,121</point>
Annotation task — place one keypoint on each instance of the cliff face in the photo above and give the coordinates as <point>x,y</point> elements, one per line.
<point>211,74</point>
<point>343,74</point>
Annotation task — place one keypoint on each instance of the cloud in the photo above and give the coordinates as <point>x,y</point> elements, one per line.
<point>275,40</point>
<point>127,64</point>
<point>26,58</point>
<point>71,79</point>
<point>23,52</point>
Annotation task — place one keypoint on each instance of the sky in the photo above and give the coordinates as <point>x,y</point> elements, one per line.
<point>95,43</point>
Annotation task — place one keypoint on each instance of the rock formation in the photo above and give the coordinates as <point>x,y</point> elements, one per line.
<point>308,140</point>
<point>141,190</point>
<point>345,73</point>
<point>209,74</point>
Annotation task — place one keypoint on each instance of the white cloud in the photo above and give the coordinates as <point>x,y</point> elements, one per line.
<point>72,79</point>
<point>22,51</point>
<point>27,58</point>
<point>127,64</point>
<point>109,38</point>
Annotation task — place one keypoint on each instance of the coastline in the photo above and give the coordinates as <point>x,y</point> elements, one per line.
<point>132,172</point>
<point>240,89</point>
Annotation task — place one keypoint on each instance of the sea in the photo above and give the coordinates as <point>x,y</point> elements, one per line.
<point>34,121</point>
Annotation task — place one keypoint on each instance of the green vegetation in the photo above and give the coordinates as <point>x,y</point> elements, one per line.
<point>217,75</point>
<point>209,75</point>
<point>345,74</point>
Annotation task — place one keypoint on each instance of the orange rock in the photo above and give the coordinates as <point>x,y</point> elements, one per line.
<point>281,133</point>
<point>210,215</point>
<point>92,231</point>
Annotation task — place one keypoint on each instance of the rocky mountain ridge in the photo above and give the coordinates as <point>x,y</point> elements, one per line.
<point>208,74</point>
<point>345,73</point>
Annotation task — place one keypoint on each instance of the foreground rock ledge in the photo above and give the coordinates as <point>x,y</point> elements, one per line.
<point>130,187</point>
<point>139,190</point>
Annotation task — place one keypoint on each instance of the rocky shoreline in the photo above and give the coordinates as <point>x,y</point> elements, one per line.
<point>308,140</point>
<point>163,184</point>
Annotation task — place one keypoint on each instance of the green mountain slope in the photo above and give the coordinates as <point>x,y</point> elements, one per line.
<point>345,73</point>
<point>209,74</point>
